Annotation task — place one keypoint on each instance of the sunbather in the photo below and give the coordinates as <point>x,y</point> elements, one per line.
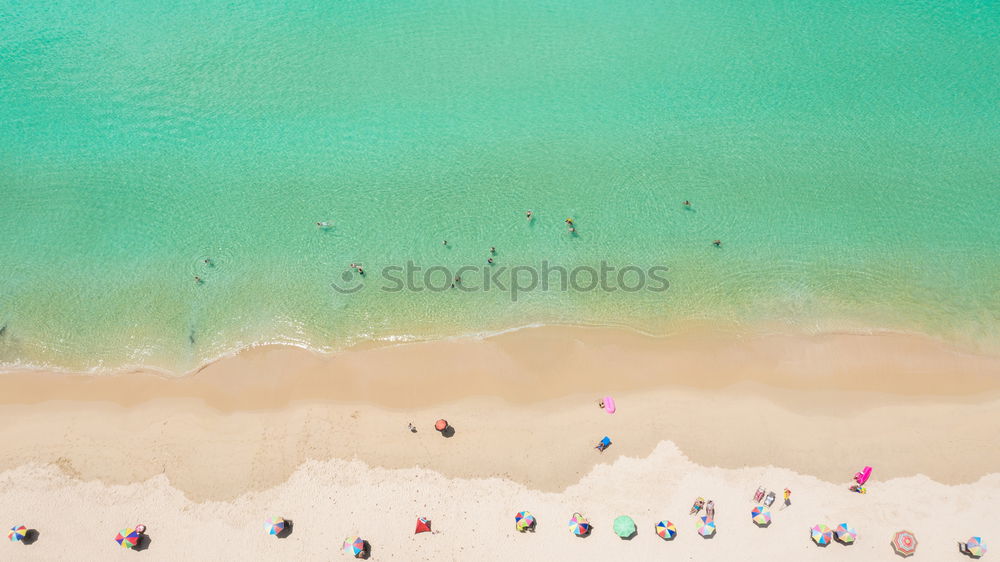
<point>604,444</point>
<point>698,504</point>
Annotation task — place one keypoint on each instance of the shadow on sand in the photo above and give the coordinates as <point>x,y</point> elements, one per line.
<point>287,531</point>
<point>30,537</point>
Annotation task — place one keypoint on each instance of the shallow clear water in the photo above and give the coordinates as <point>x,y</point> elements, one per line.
<point>846,155</point>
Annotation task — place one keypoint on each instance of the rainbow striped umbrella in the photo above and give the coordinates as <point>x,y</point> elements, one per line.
<point>846,534</point>
<point>274,525</point>
<point>579,525</point>
<point>354,546</point>
<point>666,530</point>
<point>706,528</point>
<point>821,534</point>
<point>904,543</point>
<point>17,533</point>
<point>524,520</point>
<point>974,545</point>
<point>127,538</point>
<point>761,516</point>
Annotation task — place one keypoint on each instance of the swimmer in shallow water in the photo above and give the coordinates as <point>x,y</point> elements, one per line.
<point>529,214</point>
<point>197,280</point>
<point>323,224</point>
<point>717,243</point>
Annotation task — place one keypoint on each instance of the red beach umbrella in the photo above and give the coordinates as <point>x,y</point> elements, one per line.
<point>441,425</point>
<point>904,543</point>
<point>423,525</point>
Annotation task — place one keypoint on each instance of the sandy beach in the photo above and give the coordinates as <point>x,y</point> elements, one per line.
<point>322,440</point>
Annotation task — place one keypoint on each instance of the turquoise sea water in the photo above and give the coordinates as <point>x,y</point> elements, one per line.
<point>847,155</point>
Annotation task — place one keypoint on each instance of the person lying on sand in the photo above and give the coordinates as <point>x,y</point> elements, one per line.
<point>698,504</point>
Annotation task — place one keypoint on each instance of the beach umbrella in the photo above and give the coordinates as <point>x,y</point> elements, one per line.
<point>274,525</point>
<point>974,546</point>
<point>821,534</point>
<point>17,533</point>
<point>441,425</point>
<point>624,526</point>
<point>354,546</point>
<point>846,534</point>
<point>423,525</point>
<point>579,525</point>
<point>666,530</point>
<point>524,520</point>
<point>761,516</point>
<point>706,528</point>
<point>904,543</point>
<point>127,538</point>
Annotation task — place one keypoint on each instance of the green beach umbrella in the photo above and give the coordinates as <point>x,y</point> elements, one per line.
<point>624,526</point>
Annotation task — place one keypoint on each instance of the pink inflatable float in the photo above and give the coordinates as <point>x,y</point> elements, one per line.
<point>862,477</point>
<point>609,404</point>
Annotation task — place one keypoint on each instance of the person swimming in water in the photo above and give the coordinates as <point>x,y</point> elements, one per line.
<point>569,222</point>
<point>197,280</point>
<point>323,224</point>
<point>444,242</point>
<point>529,214</point>
<point>489,261</point>
<point>493,249</point>
<point>208,261</point>
<point>718,243</point>
<point>361,270</point>
<point>687,203</point>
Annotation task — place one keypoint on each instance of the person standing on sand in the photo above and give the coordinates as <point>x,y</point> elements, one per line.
<point>788,500</point>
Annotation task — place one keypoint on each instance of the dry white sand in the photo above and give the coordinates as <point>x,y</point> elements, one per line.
<point>474,519</point>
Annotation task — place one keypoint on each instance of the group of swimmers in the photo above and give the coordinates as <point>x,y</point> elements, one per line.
<point>207,261</point>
